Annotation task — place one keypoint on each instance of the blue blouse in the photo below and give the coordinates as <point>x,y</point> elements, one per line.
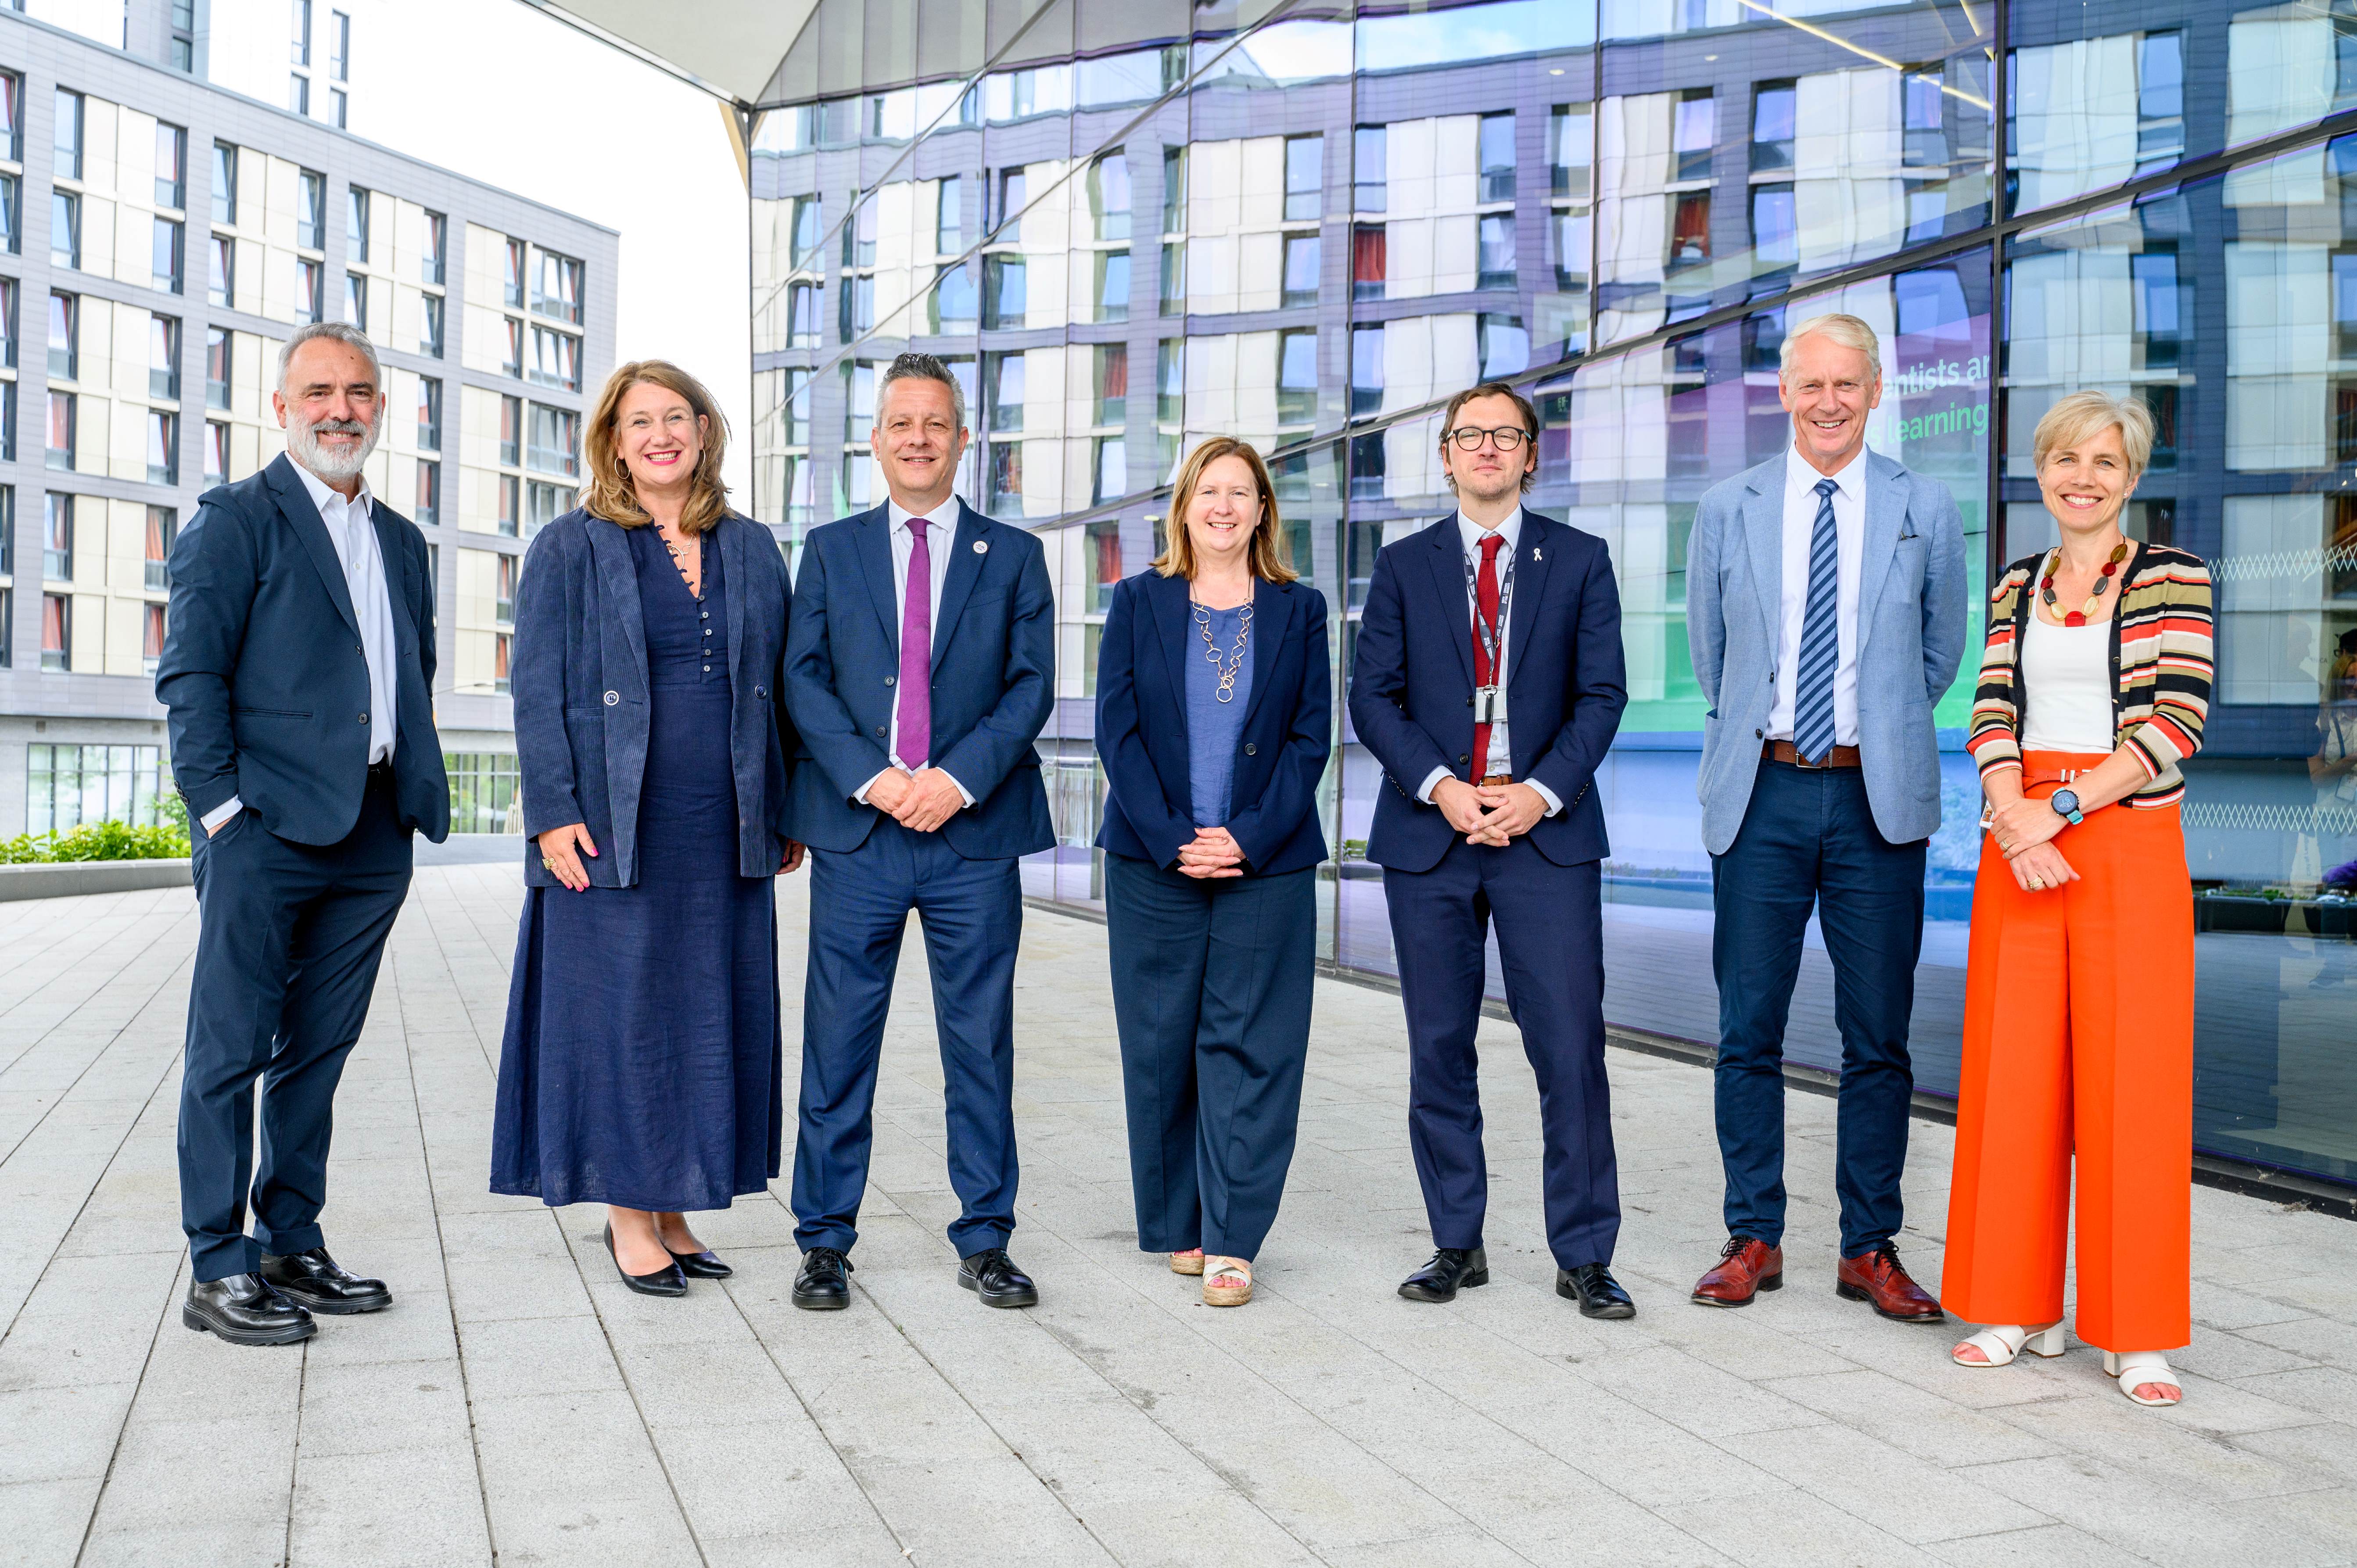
<point>1214,728</point>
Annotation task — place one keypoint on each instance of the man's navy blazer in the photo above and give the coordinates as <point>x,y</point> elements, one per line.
<point>1411,687</point>
<point>582,695</point>
<point>1150,640</point>
<point>263,669</point>
<point>993,689</point>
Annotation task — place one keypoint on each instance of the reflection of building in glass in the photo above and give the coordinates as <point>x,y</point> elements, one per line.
<point>1132,226</point>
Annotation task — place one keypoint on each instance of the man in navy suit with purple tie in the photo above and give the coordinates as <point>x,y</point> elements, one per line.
<point>1489,683</point>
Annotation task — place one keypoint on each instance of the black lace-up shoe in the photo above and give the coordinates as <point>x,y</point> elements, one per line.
<point>1452,1269</point>
<point>311,1278</point>
<point>245,1310</point>
<point>819,1284</point>
<point>992,1275</point>
<point>1597,1293</point>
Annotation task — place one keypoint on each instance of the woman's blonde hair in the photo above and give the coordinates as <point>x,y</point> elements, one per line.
<point>608,491</point>
<point>2082,414</point>
<point>1268,556</point>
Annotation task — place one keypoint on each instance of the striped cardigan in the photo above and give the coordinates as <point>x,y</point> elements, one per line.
<point>2162,666</point>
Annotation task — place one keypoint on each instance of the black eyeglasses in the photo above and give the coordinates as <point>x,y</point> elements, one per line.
<point>1469,438</point>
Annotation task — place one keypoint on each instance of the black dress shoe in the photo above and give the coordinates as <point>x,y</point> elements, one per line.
<point>703,1266</point>
<point>665,1281</point>
<point>819,1284</point>
<point>245,1310</point>
<point>992,1275</point>
<point>312,1279</point>
<point>1452,1269</point>
<point>1597,1293</point>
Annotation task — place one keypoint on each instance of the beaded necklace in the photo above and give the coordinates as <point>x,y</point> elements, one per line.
<point>2079,616</point>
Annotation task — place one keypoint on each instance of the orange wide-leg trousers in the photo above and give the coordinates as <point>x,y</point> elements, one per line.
<point>2079,1039</point>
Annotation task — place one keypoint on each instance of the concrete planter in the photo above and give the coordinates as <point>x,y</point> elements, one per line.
<point>67,879</point>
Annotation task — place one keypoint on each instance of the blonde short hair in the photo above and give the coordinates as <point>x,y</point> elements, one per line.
<point>1269,557</point>
<point>2083,414</point>
<point>1849,331</point>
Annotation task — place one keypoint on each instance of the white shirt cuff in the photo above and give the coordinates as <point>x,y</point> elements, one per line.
<point>211,821</point>
<point>1553,802</point>
<point>860,794</point>
<point>1432,781</point>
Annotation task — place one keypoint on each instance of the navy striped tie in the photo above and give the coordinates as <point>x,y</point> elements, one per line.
<point>1812,701</point>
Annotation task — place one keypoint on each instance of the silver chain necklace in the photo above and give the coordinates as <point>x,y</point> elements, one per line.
<point>1233,666</point>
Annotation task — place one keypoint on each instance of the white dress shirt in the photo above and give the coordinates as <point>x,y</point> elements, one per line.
<point>1849,556</point>
<point>1501,751</point>
<point>940,533</point>
<point>352,532</point>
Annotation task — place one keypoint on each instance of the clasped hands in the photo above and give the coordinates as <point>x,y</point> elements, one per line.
<point>919,801</point>
<point>2023,829</point>
<point>1488,814</point>
<point>1212,853</point>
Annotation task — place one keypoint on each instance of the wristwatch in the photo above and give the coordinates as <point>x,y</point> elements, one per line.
<point>2066,804</point>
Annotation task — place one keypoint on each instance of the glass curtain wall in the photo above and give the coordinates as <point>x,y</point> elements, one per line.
<point>1129,224</point>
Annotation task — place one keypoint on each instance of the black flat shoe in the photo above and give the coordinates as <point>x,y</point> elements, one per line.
<point>665,1281</point>
<point>703,1266</point>
<point>992,1275</point>
<point>1597,1293</point>
<point>313,1280</point>
<point>245,1310</point>
<point>819,1284</point>
<point>1452,1269</point>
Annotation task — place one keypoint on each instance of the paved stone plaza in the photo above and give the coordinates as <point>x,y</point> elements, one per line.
<point>518,1401</point>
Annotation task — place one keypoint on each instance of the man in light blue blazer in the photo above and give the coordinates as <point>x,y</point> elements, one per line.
<point>920,662</point>
<point>1825,613</point>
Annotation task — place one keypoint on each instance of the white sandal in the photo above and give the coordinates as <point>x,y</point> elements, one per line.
<point>2002,1342</point>
<point>1188,1262</point>
<point>2135,1369</point>
<point>1226,1268</point>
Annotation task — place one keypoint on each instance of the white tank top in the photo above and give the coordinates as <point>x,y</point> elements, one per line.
<point>2067,671</point>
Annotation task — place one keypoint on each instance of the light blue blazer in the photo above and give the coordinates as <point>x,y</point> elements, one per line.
<point>1910,619</point>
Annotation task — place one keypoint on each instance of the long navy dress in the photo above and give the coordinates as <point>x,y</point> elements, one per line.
<point>643,1052</point>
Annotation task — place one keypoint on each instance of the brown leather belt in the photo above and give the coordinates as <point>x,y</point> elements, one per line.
<point>1782,751</point>
<point>1494,781</point>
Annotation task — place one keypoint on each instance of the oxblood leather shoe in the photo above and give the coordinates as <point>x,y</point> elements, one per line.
<point>992,1275</point>
<point>1878,1277</point>
<point>1746,1266</point>
<point>1451,1269</point>
<point>819,1284</point>
<point>1597,1293</point>
<point>313,1280</point>
<point>245,1310</point>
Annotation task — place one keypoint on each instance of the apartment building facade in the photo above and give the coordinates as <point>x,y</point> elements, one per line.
<point>163,236</point>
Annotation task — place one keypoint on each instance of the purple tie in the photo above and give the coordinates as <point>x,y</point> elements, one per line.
<point>916,714</point>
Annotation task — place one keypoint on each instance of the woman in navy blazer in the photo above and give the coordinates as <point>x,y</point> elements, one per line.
<point>641,1064</point>
<point>1214,719</point>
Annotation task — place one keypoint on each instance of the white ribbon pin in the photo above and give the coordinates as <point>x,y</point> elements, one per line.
<point>1536,555</point>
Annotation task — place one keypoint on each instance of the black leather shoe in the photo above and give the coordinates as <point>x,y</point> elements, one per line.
<point>703,1266</point>
<point>1597,1293</point>
<point>1452,1269</point>
<point>312,1279</point>
<point>245,1310</point>
<point>665,1281</point>
<point>992,1275</point>
<point>819,1284</point>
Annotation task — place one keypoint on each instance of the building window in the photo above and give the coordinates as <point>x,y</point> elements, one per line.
<point>12,116</point>
<point>512,363</point>
<point>1171,297</point>
<point>8,422</point>
<point>356,300</point>
<point>163,531</point>
<point>309,276</point>
<point>339,46</point>
<point>1006,477</point>
<point>8,323</point>
<point>151,638</point>
<point>1505,346</point>
<point>57,538</point>
<point>503,649</point>
<point>557,287</point>
<point>224,183</point>
<point>221,289</point>
<point>171,166</point>
<point>1112,293</point>
<point>504,601</point>
<point>1369,259</point>
<point>1304,178</point>
<point>512,432</point>
<point>1169,380</point>
<point>547,504</point>
<point>1297,377</point>
<point>1774,125</point>
<point>65,230</point>
<point>7,532</point>
<point>217,368</point>
<point>164,358</point>
<point>298,93</point>
<point>67,786</point>
<point>1112,389</point>
<point>555,446</point>
<point>57,633</point>
<point>483,787</point>
<point>69,136</point>
<point>512,277</point>
<point>1695,134</point>
<point>1108,192</point>
<point>1689,230</point>
<point>162,446</point>
<point>1571,150</point>
<point>1366,371</point>
<point>429,493</point>
<point>555,359</point>
<point>949,217</point>
<point>356,223</point>
<point>1369,147</point>
<point>801,316</point>
<point>1014,194</point>
<point>953,305</point>
<point>299,50</point>
<point>429,325</point>
<point>65,338</point>
<point>1301,271</point>
<point>63,421</point>
<point>310,210</point>
<point>510,505</point>
<point>1775,226</point>
<point>216,451</point>
<point>430,265</point>
<point>1174,190</point>
<point>429,413</point>
<point>1002,385</point>
<point>169,244</point>
<point>1003,292</point>
<point>12,214</point>
<point>1496,259</point>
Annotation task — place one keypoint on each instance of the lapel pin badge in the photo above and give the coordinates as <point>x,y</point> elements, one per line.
<point>982,547</point>
<point>1537,554</point>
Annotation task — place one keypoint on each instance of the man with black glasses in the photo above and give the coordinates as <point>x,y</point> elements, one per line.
<point>1489,683</point>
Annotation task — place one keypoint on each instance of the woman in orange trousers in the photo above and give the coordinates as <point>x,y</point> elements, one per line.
<point>2078,992</point>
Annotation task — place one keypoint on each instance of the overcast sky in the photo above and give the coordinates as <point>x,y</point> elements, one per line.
<point>499,92</point>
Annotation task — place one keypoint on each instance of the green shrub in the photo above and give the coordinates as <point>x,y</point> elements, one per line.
<point>97,840</point>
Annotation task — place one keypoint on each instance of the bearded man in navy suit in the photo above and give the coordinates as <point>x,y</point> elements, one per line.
<point>1489,683</point>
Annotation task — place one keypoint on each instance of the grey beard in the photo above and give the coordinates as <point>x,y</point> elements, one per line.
<point>303,445</point>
